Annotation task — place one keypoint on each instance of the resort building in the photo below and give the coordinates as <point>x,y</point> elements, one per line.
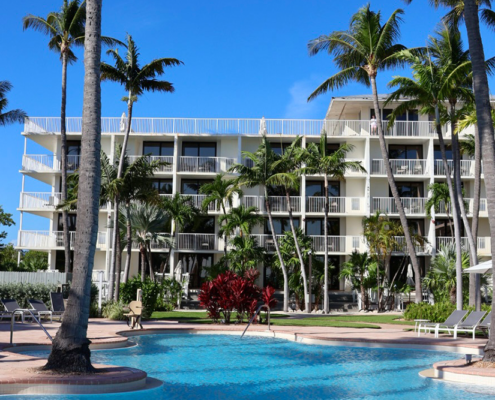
<point>198,149</point>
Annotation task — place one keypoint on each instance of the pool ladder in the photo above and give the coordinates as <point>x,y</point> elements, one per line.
<point>255,315</point>
<point>32,315</point>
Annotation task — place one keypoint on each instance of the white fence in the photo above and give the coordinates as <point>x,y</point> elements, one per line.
<point>46,277</point>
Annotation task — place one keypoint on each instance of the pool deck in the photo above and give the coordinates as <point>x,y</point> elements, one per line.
<point>18,374</point>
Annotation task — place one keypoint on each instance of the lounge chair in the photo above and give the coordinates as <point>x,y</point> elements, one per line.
<point>40,308</point>
<point>485,325</point>
<point>13,308</point>
<point>453,320</point>
<point>58,305</point>
<point>134,314</point>
<point>470,323</point>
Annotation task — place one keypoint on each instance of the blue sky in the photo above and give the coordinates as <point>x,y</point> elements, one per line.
<point>241,60</point>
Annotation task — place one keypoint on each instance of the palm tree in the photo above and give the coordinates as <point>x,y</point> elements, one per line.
<point>136,81</point>
<point>245,254</point>
<point>440,196</point>
<point>242,218</point>
<point>356,270</point>
<point>148,222</point>
<point>261,174</point>
<point>381,234</point>
<point>360,52</point>
<point>12,116</point>
<point>66,31</point>
<point>70,349</point>
<point>221,193</point>
<point>288,169</point>
<point>320,161</point>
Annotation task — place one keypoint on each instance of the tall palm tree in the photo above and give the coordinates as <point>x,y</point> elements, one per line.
<point>288,170</point>
<point>148,222</point>
<point>366,48</point>
<point>242,218</point>
<point>261,174</point>
<point>221,193</point>
<point>355,270</point>
<point>245,254</point>
<point>440,196</point>
<point>320,161</point>
<point>136,80</point>
<point>66,31</point>
<point>12,116</point>
<point>70,349</point>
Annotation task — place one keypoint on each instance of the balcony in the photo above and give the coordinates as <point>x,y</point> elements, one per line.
<point>400,167</point>
<point>468,204</point>
<point>226,126</point>
<point>483,245</point>
<point>206,164</point>
<point>164,159</point>
<point>278,204</point>
<point>337,205</point>
<point>47,163</point>
<point>401,246</point>
<point>47,240</point>
<point>197,241</point>
<point>43,201</point>
<point>467,168</point>
<point>412,205</point>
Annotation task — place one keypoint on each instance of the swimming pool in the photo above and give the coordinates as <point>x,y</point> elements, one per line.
<point>226,367</point>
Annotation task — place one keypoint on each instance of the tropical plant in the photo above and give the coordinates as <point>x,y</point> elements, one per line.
<point>151,292</point>
<point>332,165</point>
<point>5,220</point>
<point>12,116</point>
<point>366,48</point>
<point>357,271</point>
<point>148,222</point>
<point>70,348</point>
<point>240,218</point>
<point>261,174</point>
<point>65,29</point>
<point>439,197</point>
<point>245,254</point>
<point>220,193</point>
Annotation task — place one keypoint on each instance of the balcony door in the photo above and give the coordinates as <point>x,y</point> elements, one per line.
<point>405,152</point>
<point>314,226</point>
<point>73,154</point>
<point>281,225</point>
<point>197,266</point>
<point>409,189</point>
<point>164,149</point>
<point>317,189</point>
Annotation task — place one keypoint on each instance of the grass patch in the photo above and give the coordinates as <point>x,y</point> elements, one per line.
<point>375,319</point>
<point>328,322</point>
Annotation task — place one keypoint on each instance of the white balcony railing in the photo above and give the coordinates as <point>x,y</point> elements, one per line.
<point>401,246</point>
<point>197,241</point>
<point>39,200</point>
<point>467,167</point>
<point>399,167</point>
<point>164,159</point>
<point>483,245</point>
<point>226,126</point>
<point>412,205</point>
<point>206,164</point>
<point>53,239</point>
<point>196,200</point>
<point>336,244</point>
<point>277,203</point>
<point>48,163</point>
<point>336,205</point>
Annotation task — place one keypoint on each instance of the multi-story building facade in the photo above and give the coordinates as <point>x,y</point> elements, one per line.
<point>198,149</point>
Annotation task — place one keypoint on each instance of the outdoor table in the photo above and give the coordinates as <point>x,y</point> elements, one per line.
<point>417,323</point>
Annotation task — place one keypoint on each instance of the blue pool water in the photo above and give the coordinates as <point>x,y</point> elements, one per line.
<point>227,367</point>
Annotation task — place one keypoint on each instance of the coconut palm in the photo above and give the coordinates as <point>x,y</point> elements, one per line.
<point>261,174</point>
<point>136,80</point>
<point>70,349</point>
<point>356,270</point>
<point>12,116</point>
<point>439,196</point>
<point>319,161</point>
<point>221,193</point>
<point>148,222</point>
<point>66,31</point>
<point>366,48</point>
<point>245,254</point>
<point>240,218</point>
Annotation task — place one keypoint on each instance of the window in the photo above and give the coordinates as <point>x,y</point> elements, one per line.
<point>72,222</point>
<point>333,273</point>
<point>416,226</point>
<point>409,189</point>
<point>403,152</point>
<point>281,225</point>
<point>73,148</point>
<point>192,186</point>
<point>158,149</point>
<point>316,188</point>
<point>201,225</point>
<point>438,153</point>
<point>195,149</point>
<point>163,186</point>
<point>314,227</point>
<point>278,147</point>
<point>197,266</point>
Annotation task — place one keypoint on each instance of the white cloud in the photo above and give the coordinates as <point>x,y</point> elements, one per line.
<point>298,106</point>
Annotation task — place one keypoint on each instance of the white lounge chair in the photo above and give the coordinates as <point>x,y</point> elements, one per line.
<point>453,320</point>
<point>485,325</point>
<point>40,309</point>
<point>470,323</point>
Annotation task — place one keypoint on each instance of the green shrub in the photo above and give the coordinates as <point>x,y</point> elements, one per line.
<point>170,295</point>
<point>24,291</point>
<point>152,291</point>
<point>113,310</point>
<point>437,312</point>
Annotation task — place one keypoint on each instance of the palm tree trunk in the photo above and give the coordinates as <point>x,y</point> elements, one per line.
<point>142,250</point>
<point>326,306</point>
<point>450,220</point>
<point>307,306</point>
<point>225,240</point>
<point>474,279</point>
<point>150,262</point>
<point>485,126</point>
<point>63,162</point>
<point>277,249</point>
<point>129,241</point>
<point>115,248</point>
<point>118,268</point>
<point>455,208</point>
<point>70,350</point>
<point>395,193</point>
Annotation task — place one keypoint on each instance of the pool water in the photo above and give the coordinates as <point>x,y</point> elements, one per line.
<point>227,367</point>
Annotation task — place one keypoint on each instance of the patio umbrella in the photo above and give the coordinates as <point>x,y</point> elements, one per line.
<point>410,275</point>
<point>482,268</point>
<point>122,122</point>
<point>178,271</point>
<point>263,130</point>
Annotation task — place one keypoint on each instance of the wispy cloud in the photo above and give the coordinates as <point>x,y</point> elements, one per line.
<point>298,106</point>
